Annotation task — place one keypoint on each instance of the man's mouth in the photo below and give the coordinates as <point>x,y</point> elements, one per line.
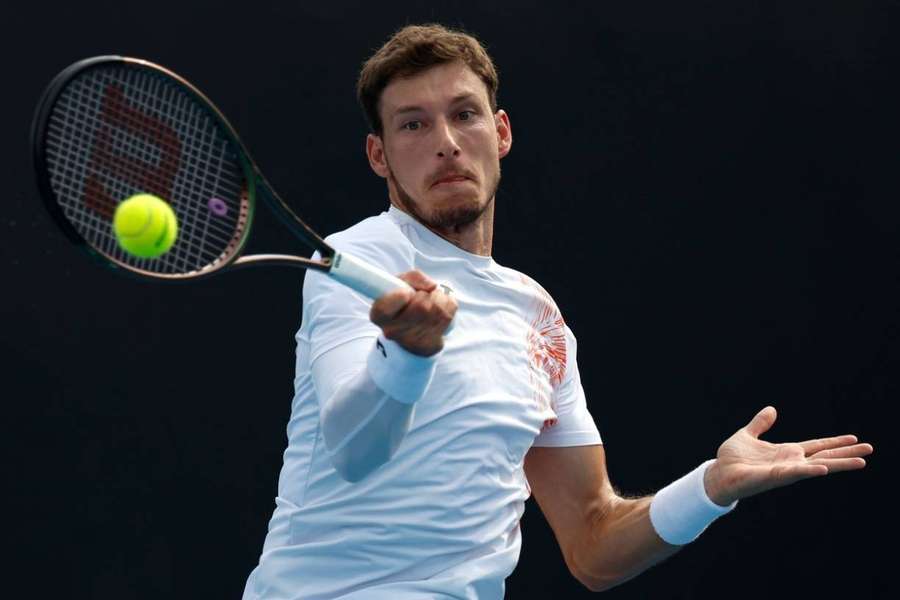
<point>450,180</point>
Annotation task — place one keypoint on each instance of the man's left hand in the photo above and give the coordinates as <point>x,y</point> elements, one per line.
<point>746,465</point>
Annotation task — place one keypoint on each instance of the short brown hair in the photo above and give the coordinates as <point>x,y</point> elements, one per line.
<point>414,49</point>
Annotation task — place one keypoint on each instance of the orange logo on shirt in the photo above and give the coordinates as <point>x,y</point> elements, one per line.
<point>546,348</point>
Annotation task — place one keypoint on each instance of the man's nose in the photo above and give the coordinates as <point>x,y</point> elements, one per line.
<point>446,140</point>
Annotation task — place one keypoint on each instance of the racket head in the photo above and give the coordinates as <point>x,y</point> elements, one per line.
<point>109,127</point>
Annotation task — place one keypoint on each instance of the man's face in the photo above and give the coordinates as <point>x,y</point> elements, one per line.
<point>441,145</point>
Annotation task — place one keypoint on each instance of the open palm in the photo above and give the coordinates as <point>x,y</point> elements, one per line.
<point>747,465</point>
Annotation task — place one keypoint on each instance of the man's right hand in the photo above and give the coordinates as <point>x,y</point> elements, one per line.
<point>416,319</point>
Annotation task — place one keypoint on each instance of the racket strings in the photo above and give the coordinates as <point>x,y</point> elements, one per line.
<point>189,188</point>
<point>125,143</point>
<point>115,132</point>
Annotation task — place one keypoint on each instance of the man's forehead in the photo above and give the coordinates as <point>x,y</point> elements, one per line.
<point>441,83</point>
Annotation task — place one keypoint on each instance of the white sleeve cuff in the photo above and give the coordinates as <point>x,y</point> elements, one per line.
<point>682,510</point>
<point>399,373</point>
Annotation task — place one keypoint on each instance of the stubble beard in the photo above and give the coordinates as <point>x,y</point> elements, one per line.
<point>450,218</point>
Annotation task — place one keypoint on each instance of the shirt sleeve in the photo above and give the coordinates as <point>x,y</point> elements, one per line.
<point>363,423</point>
<point>574,425</point>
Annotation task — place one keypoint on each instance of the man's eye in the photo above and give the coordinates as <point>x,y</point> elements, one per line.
<point>466,115</point>
<point>412,125</point>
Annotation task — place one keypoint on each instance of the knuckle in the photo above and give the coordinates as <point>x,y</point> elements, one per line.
<point>376,315</point>
<point>435,320</point>
<point>446,299</point>
<point>421,304</point>
<point>391,333</point>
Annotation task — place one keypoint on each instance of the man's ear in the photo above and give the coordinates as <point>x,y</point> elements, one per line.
<point>504,132</point>
<point>375,153</point>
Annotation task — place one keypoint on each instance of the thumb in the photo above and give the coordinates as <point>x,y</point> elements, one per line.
<point>389,305</point>
<point>762,422</point>
<point>418,280</point>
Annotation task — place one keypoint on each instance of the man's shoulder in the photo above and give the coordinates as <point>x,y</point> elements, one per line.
<point>525,280</point>
<point>534,294</point>
<point>377,240</point>
<point>379,231</point>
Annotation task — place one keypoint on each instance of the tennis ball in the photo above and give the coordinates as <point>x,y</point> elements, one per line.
<point>145,226</point>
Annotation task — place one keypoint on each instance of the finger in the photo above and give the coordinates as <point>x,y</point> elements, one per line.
<point>419,313</point>
<point>390,305</point>
<point>856,450</point>
<point>446,303</point>
<point>837,465</point>
<point>416,326</point>
<point>763,420</point>
<point>431,309</point>
<point>813,446</point>
<point>419,280</point>
<point>788,474</point>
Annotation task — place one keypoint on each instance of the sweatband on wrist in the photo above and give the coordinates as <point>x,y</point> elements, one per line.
<point>682,510</point>
<point>399,373</point>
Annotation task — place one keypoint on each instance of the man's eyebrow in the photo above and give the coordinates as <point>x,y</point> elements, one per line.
<point>408,108</point>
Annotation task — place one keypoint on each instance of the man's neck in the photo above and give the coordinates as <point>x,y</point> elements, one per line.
<point>476,237</point>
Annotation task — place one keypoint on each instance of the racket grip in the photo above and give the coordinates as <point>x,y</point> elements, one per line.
<point>364,278</point>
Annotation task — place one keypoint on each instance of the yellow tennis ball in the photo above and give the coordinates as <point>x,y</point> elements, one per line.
<point>145,226</point>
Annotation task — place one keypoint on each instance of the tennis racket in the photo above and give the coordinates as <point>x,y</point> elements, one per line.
<point>110,127</point>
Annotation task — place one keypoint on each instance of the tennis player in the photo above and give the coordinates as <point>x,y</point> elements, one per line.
<point>422,423</point>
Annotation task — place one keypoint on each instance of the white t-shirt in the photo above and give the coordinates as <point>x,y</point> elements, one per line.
<point>440,519</point>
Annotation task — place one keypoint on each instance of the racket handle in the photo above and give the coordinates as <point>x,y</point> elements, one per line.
<point>361,276</point>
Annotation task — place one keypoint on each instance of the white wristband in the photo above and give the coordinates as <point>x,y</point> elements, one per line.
<point>399,373</point>
<point>682,510</point>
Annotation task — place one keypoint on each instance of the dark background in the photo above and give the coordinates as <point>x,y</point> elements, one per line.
<point>708,190</point>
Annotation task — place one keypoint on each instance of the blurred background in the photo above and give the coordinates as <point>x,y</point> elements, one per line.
<point>708,189</point>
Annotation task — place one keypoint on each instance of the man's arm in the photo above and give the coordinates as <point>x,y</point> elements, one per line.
<point>606,539</point>
<point>367,389</point>
<point>362,423</point>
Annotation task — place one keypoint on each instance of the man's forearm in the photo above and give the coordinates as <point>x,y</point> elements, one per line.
<point>620,544</point>
<point>362,426</point>
<point>629,536</point>
<point>363,422</point>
